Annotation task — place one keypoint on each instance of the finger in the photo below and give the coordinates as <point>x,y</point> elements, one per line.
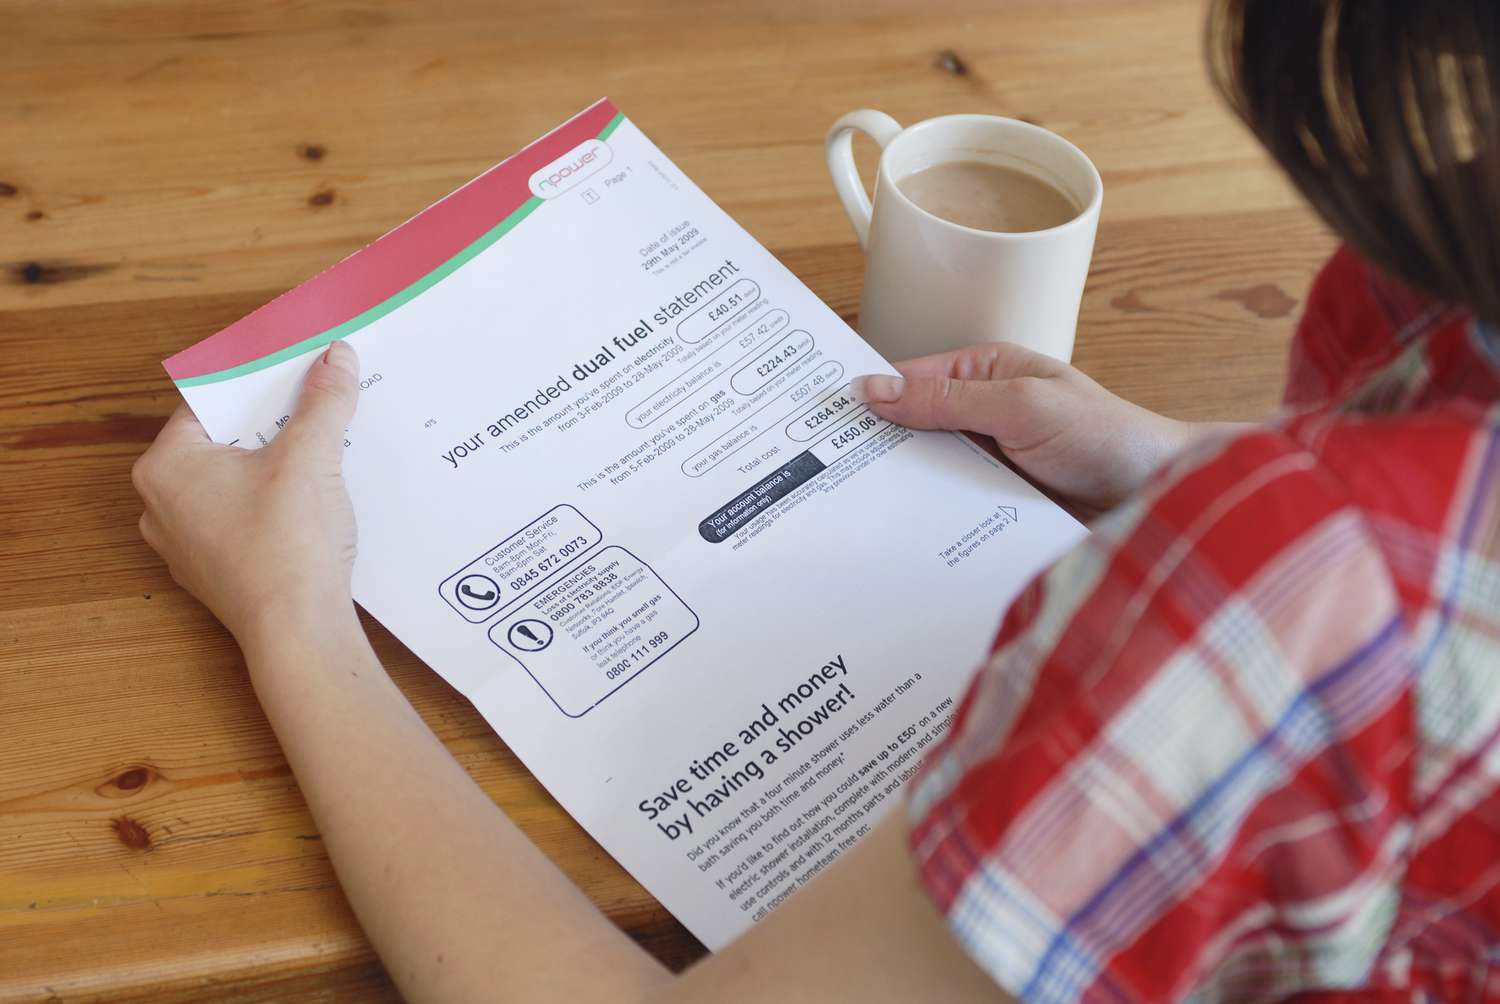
<point>990,361</point>
<point>939,402</point>
<point>183,428</point>
<point>325,405</point>
<point>149,532</point>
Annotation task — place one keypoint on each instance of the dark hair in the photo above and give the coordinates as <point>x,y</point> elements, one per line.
<point>1386,115</point>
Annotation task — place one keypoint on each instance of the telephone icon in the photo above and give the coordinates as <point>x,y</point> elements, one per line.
<point>477,592</point>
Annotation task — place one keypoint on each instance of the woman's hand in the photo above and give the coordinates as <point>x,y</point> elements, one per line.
<point>436,873</point>
<point>259,535</point>
<point>1062,429</point>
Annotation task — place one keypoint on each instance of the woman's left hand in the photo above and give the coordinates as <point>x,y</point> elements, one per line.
<point>259,535</point>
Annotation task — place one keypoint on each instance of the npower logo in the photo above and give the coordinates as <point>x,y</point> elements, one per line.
<point>571,168</point>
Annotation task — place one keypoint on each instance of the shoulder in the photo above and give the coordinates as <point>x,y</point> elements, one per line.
<point>1210,649</point>
<point>1270,507</point>
<point>1265,531</point>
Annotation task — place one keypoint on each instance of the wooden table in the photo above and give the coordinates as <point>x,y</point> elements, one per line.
<point>166,167</point>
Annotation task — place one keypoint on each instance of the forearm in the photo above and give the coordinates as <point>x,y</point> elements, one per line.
<point>459,904</point>
<point>1168,437</point>
<point>1198,431</point>
<point>1116,456</point>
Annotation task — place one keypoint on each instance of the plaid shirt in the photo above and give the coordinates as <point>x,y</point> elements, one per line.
<point>1244,743</point>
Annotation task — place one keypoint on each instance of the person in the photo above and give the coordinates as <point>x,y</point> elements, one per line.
<point>1243,743</point>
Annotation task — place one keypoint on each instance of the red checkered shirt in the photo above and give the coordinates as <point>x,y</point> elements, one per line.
<point>1244,742</point>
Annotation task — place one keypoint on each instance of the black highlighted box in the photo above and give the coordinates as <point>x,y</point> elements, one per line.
<point>838,440</point>
<point>750,503</point>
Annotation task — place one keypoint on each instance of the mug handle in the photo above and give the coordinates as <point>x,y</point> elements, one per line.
<point>839,149</point>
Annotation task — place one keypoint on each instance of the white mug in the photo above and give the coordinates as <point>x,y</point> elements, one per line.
<point>932,285</point>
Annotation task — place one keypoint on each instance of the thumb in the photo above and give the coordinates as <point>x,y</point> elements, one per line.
<point>326,404</point>
<point>935,402</point>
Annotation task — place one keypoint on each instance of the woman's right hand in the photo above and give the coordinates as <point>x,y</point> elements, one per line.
<point>1074,438</point>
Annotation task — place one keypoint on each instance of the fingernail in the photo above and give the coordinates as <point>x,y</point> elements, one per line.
<point>877,388</point>
<point>342,356</point>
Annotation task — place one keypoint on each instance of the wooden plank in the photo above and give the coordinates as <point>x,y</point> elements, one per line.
<point>166,167</point>
<point>210,210</point>
<point>111,832</point>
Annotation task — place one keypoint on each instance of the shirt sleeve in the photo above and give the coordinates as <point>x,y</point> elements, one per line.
<point>1175,776</point>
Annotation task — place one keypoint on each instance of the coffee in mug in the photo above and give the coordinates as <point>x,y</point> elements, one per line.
<point>986,196</point>
<point>981,229</point>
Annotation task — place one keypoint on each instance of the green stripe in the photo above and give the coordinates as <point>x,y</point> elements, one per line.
<point>400,299</point>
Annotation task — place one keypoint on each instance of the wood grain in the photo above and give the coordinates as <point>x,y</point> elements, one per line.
<point>167,166</point>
